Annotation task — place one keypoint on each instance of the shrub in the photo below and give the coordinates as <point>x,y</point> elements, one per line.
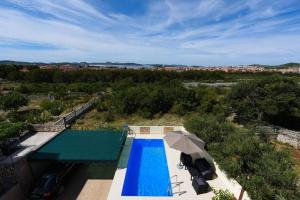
<point>8,129</point>
<point>209,128</point>
<point>55,107</point>
<point>264,171</point>
<point>108,117</point>
<point>222,195</point>
<point>101,106</point>
<point>179,109</point>
<point>12,101</point>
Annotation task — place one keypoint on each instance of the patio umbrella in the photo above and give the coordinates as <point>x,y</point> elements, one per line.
<point>184,142</point>
<point>188,143</point>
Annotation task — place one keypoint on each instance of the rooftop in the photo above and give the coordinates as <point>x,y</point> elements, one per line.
<point>71,145</point>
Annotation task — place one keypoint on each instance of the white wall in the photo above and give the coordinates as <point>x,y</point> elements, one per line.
<point>232,184</point>
<point>154,129</point>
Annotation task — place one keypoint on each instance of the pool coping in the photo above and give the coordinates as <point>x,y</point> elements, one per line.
<point>131,177</point>
<point>221,182</point>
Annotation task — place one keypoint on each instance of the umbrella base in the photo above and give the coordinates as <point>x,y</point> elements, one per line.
<point>179,166</point>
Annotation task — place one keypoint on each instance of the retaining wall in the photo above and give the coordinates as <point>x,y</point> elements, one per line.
<point>284,135</point>
<point>61,124</point>
<point>15,193</point>
<point>289,137</point>
<point>154,129</point>
<point>232,184</point>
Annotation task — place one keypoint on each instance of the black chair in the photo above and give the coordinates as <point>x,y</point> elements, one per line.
<point>186,160</point>
<point>200,185</point>
<point>204,168</point>
<point>193,172</point>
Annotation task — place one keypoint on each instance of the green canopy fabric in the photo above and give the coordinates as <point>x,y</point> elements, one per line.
<point>70,145</point>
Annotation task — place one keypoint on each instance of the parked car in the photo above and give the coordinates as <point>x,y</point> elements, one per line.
<point>51,181</point>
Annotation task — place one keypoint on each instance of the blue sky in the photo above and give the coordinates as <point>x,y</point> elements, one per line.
<point>192,32</point>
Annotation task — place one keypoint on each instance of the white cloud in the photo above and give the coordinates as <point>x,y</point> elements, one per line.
<point>170,31</point>
<point>69,10</point>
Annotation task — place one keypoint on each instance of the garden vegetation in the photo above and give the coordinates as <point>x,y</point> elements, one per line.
<point>245,153</point>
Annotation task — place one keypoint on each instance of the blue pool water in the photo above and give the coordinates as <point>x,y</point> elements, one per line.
<point>147,170</point>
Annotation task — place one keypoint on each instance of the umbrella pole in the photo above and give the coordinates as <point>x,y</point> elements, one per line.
<point>179,165</point>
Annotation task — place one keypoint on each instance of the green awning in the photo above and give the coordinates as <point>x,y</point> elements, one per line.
<point>70,145</point>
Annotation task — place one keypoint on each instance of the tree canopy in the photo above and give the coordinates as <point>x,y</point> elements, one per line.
<point>265,172</point>
<point>274,100</point>
<point>12,101</point>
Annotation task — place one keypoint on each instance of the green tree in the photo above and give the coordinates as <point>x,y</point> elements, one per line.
<point>274,100</point>
<point>12,101</point>
<point>209,128</point>
<point>265,172</point>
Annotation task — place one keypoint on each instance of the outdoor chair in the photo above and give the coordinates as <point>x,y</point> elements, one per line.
<point>204,168</point>
<point>186,160</point>
<point>193,172</point>
<point>200,185</point>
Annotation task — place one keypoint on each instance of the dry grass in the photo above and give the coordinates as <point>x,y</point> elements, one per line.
<point>95,120</point>
<point>294,152</point>
<point>35,100</point>
<point>75,103</point>
<point>8,85</point>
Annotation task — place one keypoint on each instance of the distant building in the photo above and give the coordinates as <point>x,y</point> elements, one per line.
<point>47,67</point>
<point>68,67</point>
<point>83,65</point>
<point>24,69</point>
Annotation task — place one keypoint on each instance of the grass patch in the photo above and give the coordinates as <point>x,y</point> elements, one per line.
<point>9,85</point>
<point>96,120</point>
<point>295,153</point>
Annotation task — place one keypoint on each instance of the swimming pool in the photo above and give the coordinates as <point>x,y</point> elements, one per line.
<point>147,170</point>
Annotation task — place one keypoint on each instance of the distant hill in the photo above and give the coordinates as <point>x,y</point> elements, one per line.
<point>282,66</point>
<point>115,63</point>
<point>288,65</point>
<point>11,62</point>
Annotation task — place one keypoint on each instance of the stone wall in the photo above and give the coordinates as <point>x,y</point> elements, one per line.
<point>22,174</point>
<point>284,135</point>
<point>63,122</point>
<point>289,137</point>
<point>15,193</point>
<point>7,177</point>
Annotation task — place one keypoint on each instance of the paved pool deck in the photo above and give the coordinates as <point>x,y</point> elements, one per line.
<point>176,175</point>
<point>95,190</point>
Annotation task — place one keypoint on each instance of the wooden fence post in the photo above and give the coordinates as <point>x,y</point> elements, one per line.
<point>65,123</point>
<point>241,194</point>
